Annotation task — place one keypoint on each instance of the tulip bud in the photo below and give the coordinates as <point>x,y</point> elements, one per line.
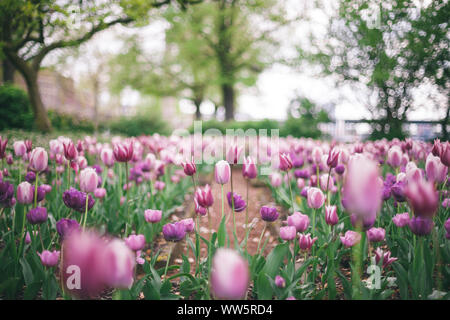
<point>331,217</point>
<point>280,282</point>
<point>288,233</point>
<point>204,196</point>
<point>49,259</point>
<point>316,198</point>
<point>423,198</point>
<point>285,162</point>
<point>189,167</point>
<point>70,152</point>
<point>269,214</point>
<point>25,193</point>
<point>20,149</point>
<point>222,172</point>
<point>305,242</point>
<point>249,169</point>
<point>333,157</point>
<point>421,226</point>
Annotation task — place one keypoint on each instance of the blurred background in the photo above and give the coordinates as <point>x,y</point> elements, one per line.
<point>343,70</point>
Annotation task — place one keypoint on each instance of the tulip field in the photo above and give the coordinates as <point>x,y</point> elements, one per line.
<point>149,218</point>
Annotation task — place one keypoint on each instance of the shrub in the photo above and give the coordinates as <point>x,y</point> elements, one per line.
<point>15,108</point>
<point>139,125</point>
<point>65,122</point>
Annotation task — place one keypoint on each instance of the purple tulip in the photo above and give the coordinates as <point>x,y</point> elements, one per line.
<point>66,226</point>
<point>280,282</point>
<point>386,256</point>
<point>269,214</point>
<point>340,168</point>
<point>37,215</point>
<point>288,233</point>
<point>362,222</point>
<point>189,224</point>
<point>376,234</point>
<point>420,226</point>
<point>76,200</point>
<point>423,198</point>
<point>30,177</point>
<point>174,231</point>
<point>239,203</point>
<point>153,216</point>
<point>135,242</point>
<point>6,194</point>
<point>305,242</point>
<point>350,238</point>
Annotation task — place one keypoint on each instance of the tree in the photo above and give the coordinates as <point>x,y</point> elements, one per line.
<point>391,55</point>
<point>31,29</point>
<point>236,39</point>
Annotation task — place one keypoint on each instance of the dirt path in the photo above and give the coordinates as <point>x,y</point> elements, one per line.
<point>259,195</point>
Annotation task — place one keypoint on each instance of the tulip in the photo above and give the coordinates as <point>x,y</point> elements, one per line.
<point>234,154</point>
<point>340,168</point>
<point>229,274</point>
<point>3,143</point>
<point>30,177</point>
<point>445,154</point>
<point>199,209</point>
<point>280,282</point>
<point>299,221</point>
<point>421,226</point>
<point>189,224</point>
<point>204,196</point>
<point>107,157</point>
<point>135,242</point>
<point>49,259</point>
<point>269,214</point>
<point>398,191</point>
<point>447,228</point>
<point>300,183</point>
<point>333,157</point>
<point>288,233</point>
<point>56,147</point>
<point>159,185</point>
<point>25,193</point>
<point>76,200</point>
<point>38,159</point>
<point>27,238</point>
<point>20,149</point>
<point>119,263</point>
<point>331,217</point>
<point>305,242</point>
<point>174,231</point>
<point>153,216</point>
<point>37,215</point>
<point>88,180</point>
<point>100,193</point>
<point>276,179</point>
<point>316,155</point>
<point>365,223</point>
<point>350,238</point>
<point>222,172</point>
<point>401,219</point>
<point>316,198</point>
<point>123,152</point>
<point>189,167</point>
<point>376,234</point>
<point>285,162</point>
<point>65,227</point>
<point>394,157</point>
<point>239,203</point>
<point>436,150</point>
<point>249,169</point>
<point>6,194</point>
<point>70,152</point>
<point>435,170</point>
<point>363,187</point>
<point>386,256</point>
<point>423,198</point>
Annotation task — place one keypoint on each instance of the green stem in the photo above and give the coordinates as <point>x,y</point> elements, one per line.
<point>290,189</point>
<point>168,259</point>
<point>86,210</point>
<point>260,237</point>
<point>36,189</point>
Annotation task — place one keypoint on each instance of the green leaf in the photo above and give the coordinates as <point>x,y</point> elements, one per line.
<point>275,259</point>
<point>263,287</point>
<point>26,271</point>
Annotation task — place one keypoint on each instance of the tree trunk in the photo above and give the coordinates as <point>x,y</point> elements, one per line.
<point>40,114</point>
<point>198,114</point>
<point>444,124</point>
<point>8,71</point>
<point>228,100</point>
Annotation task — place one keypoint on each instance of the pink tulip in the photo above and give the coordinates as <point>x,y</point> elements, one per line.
<point>56,147</point>
<point>123,152</point>
<point>234,153</point>
<point>153,216</point>
<point>88,180</point>
<point>401,219</point>
<point>189,167</point>
<point>25,193</point>
<point>276,179</point>
<point>299,221</point>
<point>394,157</point>
<point>20,148</point>
<point>316,155</point>
<point>100,193</point>
<point>204,196</point>
<point>118,263</point>
<point>249,169</point>
<point>435,170</point>
<point>333,157</point>
<point>285,162</point>
<point>70,151</point>
<point>350,238</point>
<point>159,185</point>
<point>305,242</point>
<point>331,217</point>
<point>376,234</point>
<point>222,172</point>
<point>445,154</point>
<point>316,198</point>
<point>135,242</point>
<point>229,275</point>
<point>189,224</point>
<point>386,256</point>
<point>422,198</point>
<point>363,187</point>
<point>288,233</point>
<point>49,259</point>
<point>300,183</point>
<point>107,157</point>
<point>38,159</point>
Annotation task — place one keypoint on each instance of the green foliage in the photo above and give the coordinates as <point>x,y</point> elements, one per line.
<point>139,125</point>
<point>14,108</point>
<point>65,122</point>
<point>222,126</point>
<point>303,119</point>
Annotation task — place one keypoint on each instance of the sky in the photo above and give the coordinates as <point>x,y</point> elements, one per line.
<point>275,87</point>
